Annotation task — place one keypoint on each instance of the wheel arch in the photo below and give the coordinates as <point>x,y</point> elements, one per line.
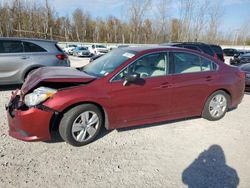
<point>56,118</point>
<point>220,89</point>
<point>29,69</point>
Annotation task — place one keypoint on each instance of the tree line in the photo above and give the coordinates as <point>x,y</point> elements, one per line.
<point>145,22</point>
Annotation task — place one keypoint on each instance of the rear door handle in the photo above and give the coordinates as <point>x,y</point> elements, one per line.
<point>209,78</point>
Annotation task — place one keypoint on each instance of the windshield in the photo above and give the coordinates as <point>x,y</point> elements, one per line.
<point>108,63</point>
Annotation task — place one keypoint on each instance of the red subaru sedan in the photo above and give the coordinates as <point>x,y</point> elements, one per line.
<point>126,87</point>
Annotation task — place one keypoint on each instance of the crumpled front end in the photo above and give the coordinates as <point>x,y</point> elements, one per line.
<point>27,124</point>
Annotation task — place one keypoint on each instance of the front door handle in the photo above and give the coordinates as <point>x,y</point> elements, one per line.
<point>165,85</point>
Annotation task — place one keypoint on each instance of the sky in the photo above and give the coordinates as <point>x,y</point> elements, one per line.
<point>235,12</point>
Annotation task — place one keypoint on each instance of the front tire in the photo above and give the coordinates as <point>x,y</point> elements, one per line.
<point>216,106</point>
<point>81,124</point>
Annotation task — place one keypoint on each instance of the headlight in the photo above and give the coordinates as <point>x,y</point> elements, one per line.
<point>38,95</point>
<point>247,75</point>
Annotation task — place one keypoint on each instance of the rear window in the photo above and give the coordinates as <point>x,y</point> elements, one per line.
<point>11,46</point>
<point>31,47</point>
<point>58,48</point>
<point>192,47</point>
<point>216,49</point>
<point>206,49</point>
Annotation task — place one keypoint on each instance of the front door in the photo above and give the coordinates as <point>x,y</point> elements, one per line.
<point>146,99</point>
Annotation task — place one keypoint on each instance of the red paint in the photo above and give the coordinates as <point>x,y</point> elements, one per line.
<point>153,100</point>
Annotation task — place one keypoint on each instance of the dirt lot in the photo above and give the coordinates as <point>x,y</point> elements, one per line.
<point>192,152</point>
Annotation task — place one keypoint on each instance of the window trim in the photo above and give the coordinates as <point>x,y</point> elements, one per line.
<point>166,70</point>
<point>171,61</point>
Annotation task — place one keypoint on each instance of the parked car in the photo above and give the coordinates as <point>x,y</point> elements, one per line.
<point>230,52</point>
<point>218,50</point>
<point>240,59</point>
<point>69,49</point>
<point>201,47</point>
<point>97,49</point>
<point>94,57</point>
<point>246,69</point>
<point>244,58</point>
<point>20,56</point>
<point>81,51</point>
<point>126,87</point>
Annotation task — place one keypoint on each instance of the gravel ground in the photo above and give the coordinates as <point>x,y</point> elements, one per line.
<point>193,152</point>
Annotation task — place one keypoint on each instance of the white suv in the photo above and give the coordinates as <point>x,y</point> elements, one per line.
<point>97,49</point>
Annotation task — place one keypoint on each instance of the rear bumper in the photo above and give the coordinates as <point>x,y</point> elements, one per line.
<point>29,125</point>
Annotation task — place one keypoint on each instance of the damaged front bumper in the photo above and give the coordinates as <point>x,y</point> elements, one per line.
<point>28,124</point>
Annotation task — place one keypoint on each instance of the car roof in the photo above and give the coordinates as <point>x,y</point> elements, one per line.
<point>215,45</point>
<point>229,49</point>
<point>158,48</point>
<point>27,39</point>
<point>191,43</point>
<point>148,47</point>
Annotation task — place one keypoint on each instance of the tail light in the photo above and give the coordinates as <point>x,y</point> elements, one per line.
<point>215,56</point>
<point>242,75</point>
<point>62,56</point>
<point>223,57</point>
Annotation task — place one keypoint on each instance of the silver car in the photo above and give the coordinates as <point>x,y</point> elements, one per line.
<point>19,56</point>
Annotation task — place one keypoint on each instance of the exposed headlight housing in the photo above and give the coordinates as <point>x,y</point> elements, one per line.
<point>39,95</point>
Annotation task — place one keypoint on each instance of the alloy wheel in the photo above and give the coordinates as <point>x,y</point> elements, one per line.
<point>85,126</point>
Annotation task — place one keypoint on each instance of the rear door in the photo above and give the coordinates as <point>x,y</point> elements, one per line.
<point>193,77</point>
<point>11,59</point>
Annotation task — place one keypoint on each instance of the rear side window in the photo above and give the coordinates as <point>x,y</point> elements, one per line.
<point>31,47</point>
<point>189,63</point>
<point>207,65</point>
<point>11,47</point>
<point>186,63</point>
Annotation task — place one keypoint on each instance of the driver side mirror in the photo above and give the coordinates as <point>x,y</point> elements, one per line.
<point>130,78</point>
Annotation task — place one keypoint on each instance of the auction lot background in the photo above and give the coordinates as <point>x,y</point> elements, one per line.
<point>186,153</point>
<point>193,152</point>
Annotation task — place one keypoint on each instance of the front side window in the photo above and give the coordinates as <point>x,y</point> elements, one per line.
<point>148,66</point>
<point>189,63</point>
<point>11,47</point>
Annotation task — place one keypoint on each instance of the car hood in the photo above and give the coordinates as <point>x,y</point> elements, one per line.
<point>245,67</point>
<point>55,74</point>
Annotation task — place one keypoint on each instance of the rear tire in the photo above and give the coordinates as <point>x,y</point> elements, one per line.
<point>81,124</point>
<point>216,106</point>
